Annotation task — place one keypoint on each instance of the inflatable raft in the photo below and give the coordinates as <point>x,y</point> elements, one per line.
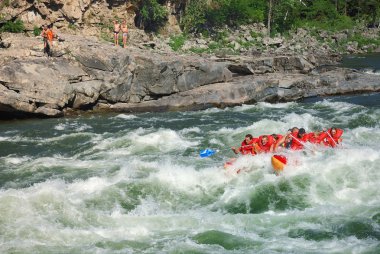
<point>278,162</point>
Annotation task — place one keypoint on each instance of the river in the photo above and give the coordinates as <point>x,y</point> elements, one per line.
<point>125,183</point>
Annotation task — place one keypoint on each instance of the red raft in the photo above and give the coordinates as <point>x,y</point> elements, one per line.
<point>278,162</point>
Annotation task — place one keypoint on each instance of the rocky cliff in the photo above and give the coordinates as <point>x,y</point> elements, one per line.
<point>86,74</point>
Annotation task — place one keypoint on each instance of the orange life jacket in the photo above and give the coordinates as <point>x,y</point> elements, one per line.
<point>331,140</point>
<point>312,138</point>
<point>265,148</point>
<point>297,143</point>
<point>247,148</point>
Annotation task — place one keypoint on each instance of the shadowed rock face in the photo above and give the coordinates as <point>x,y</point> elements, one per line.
<point>96,76</point>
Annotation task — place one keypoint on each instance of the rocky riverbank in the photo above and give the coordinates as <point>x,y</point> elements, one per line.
<point>89,75</point>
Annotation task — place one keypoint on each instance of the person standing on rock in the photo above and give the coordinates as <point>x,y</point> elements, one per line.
<point>48,35</point>
<point>116,31</point>
<point>124,30</point>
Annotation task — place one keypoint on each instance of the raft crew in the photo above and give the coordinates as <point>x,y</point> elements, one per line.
<point>295,139</point>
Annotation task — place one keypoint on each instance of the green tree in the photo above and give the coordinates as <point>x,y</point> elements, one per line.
<point>195,16</point>
<point>152,15</point>
<point>210,14</point>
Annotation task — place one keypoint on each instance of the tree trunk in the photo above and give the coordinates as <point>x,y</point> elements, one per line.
<point>269,15</point>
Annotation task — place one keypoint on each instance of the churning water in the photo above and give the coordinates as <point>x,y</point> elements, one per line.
<point>124,183</point>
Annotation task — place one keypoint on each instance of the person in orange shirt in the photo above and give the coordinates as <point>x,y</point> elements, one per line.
<point>48,36</point>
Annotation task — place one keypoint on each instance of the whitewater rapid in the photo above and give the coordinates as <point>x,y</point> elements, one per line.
<point>124,183</point>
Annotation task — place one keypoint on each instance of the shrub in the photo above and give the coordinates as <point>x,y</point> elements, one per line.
<point>362,41</point>
<point>176,42</point>
<point>13,27</point>
<point>36,31</point>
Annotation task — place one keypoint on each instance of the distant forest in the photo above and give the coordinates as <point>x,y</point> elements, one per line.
<point>278,15</point>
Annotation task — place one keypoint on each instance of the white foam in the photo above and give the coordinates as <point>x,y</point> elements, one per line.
<point>186,178</point>
<point>126,117</point>
<point>339,106</point>
<point>66,136</point>
<point>4,139</point>
<point>362,136</point>
<point>89,186</point>
<point>372,71</point>
<point>164,140</point>
<point>191,130</point>
<point>60,127</point>
<point>215,141</point>
<point>305,120</point>
<point>16,160</point>
<point>265,105</point>
<point>72,126</point>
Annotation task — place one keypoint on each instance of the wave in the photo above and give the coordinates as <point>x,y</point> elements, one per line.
<point>72,126</point>
<point>372,71</point>
<point>126,117</point>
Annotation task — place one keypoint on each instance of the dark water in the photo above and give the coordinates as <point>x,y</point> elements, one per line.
<point>367,62</point>
<point>367,100</point>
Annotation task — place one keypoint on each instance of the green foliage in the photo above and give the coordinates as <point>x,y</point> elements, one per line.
<point>176,42</point>
<point>204,15</point>
<point>338,24</point>
<point>36,31</point>
<point>105,31</point>
<point>320,10</point>
<point>195,16</point>
<point>13,27</point>
<point>153,15</point>
<point>362,41</point>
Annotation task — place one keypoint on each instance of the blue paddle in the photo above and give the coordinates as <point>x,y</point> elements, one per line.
<point>207,152</point>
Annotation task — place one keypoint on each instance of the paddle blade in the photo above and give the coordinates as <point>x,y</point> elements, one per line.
<point>206,153</point>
